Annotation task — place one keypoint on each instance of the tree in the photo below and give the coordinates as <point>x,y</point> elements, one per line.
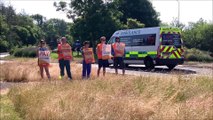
<point>39,19</point>
<point>17,29</point>
<point>92,19</point>
<point>142,10</point>
<point>55,28</point>
<point>133,23</point>
<point>199,35</point>
<point>176,23</point>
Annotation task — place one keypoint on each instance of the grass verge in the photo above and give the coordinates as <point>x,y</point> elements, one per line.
<point>7,109</point>
<point>117,98</point>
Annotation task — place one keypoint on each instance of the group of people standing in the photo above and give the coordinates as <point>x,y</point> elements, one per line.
<point>104,52</point>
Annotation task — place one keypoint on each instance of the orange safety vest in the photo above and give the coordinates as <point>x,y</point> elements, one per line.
<point>88,55</point>
<point>65,52</point>
<point>99,50</point>
<point>106,52</point>
<point>118,49</point>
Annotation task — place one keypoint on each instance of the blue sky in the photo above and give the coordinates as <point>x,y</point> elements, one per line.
<point>190,10</point>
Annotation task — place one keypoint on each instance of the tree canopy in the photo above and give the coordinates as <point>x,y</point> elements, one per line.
<point>142,10</point>
<point>91,20</point>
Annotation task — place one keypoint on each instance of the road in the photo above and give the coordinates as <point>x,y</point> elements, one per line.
<point>139,70</point>
<point>2,55</point>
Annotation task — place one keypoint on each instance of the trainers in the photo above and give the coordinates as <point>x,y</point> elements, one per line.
<point>69,78</point>
<point>60,77</point>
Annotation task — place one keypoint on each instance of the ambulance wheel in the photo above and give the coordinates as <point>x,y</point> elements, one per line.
<point>149,64</point>
<point>172,66</point>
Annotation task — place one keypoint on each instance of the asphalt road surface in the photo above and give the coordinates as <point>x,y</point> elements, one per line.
<point>139,70</point>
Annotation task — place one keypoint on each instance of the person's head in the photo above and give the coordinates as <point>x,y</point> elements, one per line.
<point>103,39</point>
<point>86,44</point>
<point>63,40</point>
<point>42,43</point>
<point>117,39</point>
<point>59,41</point>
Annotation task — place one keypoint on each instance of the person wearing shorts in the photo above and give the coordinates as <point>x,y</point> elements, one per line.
<point>43,65</point>
<point>118,51</point>
<point>101,62</point>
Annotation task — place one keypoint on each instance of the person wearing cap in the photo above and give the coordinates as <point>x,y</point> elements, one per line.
<point>101,62</point>
<point>64,57</point>
<point>88,59</point>
<point>118,51</point>
<point>43,54</point>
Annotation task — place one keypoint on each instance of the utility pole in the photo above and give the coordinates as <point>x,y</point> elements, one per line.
<point>212,11</point>
<point>178,13</point>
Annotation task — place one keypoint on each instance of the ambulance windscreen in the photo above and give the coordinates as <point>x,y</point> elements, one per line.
<point>171,39</point>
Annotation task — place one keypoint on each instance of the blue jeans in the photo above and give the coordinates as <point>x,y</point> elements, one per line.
<point>65,63</point>
<point>86,70</point>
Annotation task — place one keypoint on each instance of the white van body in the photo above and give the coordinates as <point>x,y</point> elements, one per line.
<point>147,42</point>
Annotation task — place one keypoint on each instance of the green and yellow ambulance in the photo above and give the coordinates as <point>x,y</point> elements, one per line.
<point>153,46</point>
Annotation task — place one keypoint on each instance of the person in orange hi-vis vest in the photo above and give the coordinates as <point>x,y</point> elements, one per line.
<point>43,54</point>
<point>88,59</point>
<point>118,50</point>
<point>101,62</point>
<point>64,57</point>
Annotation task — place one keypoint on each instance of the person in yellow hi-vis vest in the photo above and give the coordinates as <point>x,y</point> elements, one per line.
<point>118,51</point>
<point>64,57</point>
<point>88,59</point>
<point>43,54</point>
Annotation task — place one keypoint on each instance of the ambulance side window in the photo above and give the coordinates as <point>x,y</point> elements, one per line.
<point>144,40</point>
<point>127,40</point>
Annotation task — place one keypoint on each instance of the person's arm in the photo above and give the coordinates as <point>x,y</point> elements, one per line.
<point>96,50</point>
<point>124,53</point>
<point>112,51</point>
<point>59,49</point>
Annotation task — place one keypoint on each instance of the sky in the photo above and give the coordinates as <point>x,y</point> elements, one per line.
<point>190,10</point>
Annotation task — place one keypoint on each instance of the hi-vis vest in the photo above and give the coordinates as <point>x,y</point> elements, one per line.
<point>104,51</point>
<point>64,52</point>
<point>43,57</point>
<point>118,49</point>
<point>99,51</point>
<point>88,55</point>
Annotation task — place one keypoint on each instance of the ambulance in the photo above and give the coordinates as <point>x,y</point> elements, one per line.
<point>152,47</point>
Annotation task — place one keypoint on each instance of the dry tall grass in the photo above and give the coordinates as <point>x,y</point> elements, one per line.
<point>110,98</point>
<point>21,70</point>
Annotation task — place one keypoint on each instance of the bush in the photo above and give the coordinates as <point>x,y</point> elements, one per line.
<point>4,46</point>
<point>198,55</point>
<point>25,52</point>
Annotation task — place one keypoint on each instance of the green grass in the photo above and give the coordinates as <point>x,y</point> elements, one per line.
<point>7,109</point>
<point>77,58</point>
<point>55,55</point>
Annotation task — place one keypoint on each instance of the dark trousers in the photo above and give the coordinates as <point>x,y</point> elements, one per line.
<point>65,63</point>
<point>86,70</point>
